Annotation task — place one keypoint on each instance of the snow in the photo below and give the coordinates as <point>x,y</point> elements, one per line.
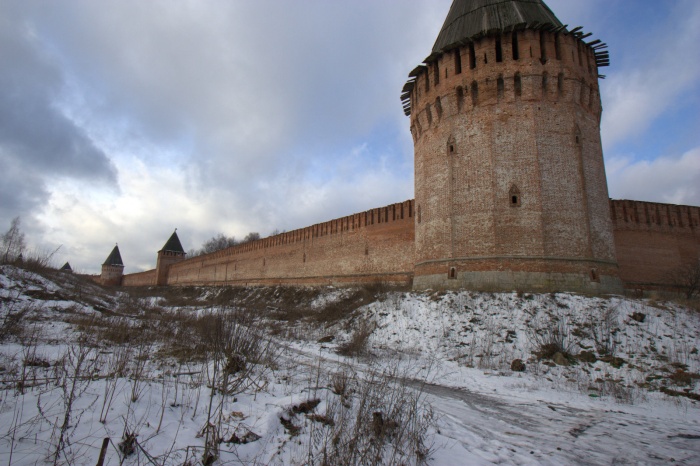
<point>449,352</point>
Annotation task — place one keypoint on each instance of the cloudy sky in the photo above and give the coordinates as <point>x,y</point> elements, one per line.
<point>123,120</point>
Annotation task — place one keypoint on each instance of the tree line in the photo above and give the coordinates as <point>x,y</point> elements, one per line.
<point>221,241</point>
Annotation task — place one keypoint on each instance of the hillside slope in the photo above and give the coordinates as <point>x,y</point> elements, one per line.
<point>351,376</point>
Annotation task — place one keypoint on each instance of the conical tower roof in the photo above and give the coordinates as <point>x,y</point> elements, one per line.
<point>470,19</point>
<point>114,257</point>
<point>66,267</point>
<point>173,244</point>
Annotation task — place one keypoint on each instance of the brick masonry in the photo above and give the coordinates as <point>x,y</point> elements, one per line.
<point>373,246</point>
<point>652,240</point>
<point>510,181</point>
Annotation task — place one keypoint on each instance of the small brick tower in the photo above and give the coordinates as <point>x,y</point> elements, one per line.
<point>510,184</point>
<point>171,253</point>
<point>112,269</point>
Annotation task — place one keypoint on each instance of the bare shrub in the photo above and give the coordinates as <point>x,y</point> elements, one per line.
<point>340,383</point>
<point>603,328</point>
<point>116,367</point>
<point>550,336</point>
<point>238,358</point>
<point>383,421</point>
<point>13,242</point>
<point>357,344</point>
<point>138,371</point>
<point>620,392</point>
<point>13,322</point>
<point>77,364</point>
<point>30,360</point>
<point>687,279</point>
<point>39,261</point>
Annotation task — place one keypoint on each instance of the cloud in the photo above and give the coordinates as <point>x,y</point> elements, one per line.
<point>673,180</point>
<point>657,73</point>
<point>120,121</point>
<point>39,144</point>
<point>230,104</point>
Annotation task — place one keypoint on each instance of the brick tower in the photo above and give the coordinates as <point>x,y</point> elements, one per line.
<point>171,253</point>
<point>112,269</point>
<point>510,183</point>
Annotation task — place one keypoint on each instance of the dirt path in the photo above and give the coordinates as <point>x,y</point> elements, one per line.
<point>477,428</point>
<point>502,430</point>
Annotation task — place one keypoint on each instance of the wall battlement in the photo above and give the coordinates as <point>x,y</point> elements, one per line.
<point>654,242</point>
<point>402,211</point>
<point>371,246</point>
<point>652,216</point>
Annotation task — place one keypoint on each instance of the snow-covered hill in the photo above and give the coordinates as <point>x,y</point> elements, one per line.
<point>342,376</point>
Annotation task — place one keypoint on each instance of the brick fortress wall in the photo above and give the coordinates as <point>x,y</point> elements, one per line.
<point>147,278</point>
<point>373,246</point>
<point>654,241</point>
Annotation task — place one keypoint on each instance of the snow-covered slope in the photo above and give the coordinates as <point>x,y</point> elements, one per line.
<point>605,381</point>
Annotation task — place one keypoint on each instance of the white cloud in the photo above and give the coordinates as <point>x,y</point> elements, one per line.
<point>673,180</point>
<point>252,115</point>
<point>663,71</point>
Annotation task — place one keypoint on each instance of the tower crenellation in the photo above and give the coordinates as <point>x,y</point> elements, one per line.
<point>506,67</point>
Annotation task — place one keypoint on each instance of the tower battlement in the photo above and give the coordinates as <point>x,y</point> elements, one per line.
<point>525,65</point>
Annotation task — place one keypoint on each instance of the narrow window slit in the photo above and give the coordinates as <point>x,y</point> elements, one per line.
<point>458,62</point>
<point>545,83</point>
<point>560,84</point>
<point>543,47</point>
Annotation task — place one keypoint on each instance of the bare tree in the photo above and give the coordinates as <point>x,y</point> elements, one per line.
<point>215,243</point>
<point>687,279</point>
<point>13,243</point>
<point>252,236</point>
<point>221,241</point>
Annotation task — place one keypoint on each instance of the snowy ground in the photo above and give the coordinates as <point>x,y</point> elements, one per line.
<point>625,392</point>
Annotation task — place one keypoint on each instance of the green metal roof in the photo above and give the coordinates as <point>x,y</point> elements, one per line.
<point>173,244</point>
<point>114,258</point>
<point>470,19</point>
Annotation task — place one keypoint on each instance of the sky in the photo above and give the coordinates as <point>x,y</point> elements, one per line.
<point>123,120</point>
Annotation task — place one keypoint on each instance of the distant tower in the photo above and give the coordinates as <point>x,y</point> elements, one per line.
<point>510,184</point>
<point>112,269</point>
<point>171,253</point>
